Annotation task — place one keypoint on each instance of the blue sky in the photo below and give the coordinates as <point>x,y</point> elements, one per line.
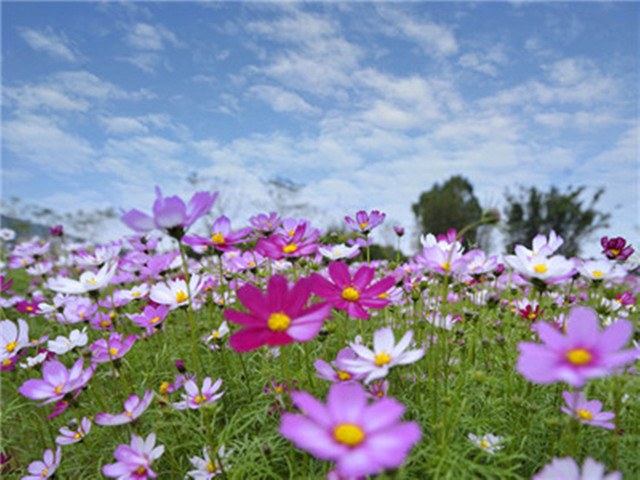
<point>364,105</point>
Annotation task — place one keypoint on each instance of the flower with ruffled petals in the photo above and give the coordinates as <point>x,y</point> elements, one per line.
<point>134,460</point>
<point>68,436</point>
<point>106,350</point>
<point>616,248</point>
<point>151,317</point>
<point>584,352</point>
<point>208,467</point>
<point>197,397</point>
<point>134,407</point>
<point>489,442</point>
<point>46,467</point>
<point>13,338</point>
<point>365,222</point>
<point>265,223</point>
<point>171,214</point>
<point>568,469</point>
<point>88,281</point>
<point>174,293</point>
<point>353,294</point>
<point>62,345</point>
<point>342,371</point>
<point>222,238</point>
<point>277,318</point>
<point>56,381</point>
<point>362,438</point>
<point>587,412</point>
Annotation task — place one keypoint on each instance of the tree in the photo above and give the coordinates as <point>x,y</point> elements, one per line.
<point>530,212</point>
<point>452,205</point>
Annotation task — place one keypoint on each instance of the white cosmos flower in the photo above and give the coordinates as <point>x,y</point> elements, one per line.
<point>489,443</point>
<point>385,354</point>
<point>174,293</point>
<point>336,252</point>
<point>62,345</point>
<point>87,282</point>
<point>603,269</point>
<point>207,467</point>
<point>13,338</point>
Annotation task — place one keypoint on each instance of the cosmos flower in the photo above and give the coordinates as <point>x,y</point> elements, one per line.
<point>88,281</point>
<point>265,224</point>
<point>584,352</point>
<point>151,317</point>
<point>170,214</point>
<point>208,467</point>
<point>68,436</point>
<point>46,467</point>
<point>616,248</point>
<point>13,338</point>
<point>587,412</point>
<point>602,269</point>
<point>277,318</point>
<point>568,469</point>
<point>222,238</point>
<point>174,292</point>
<point>365,222</point>
<point>362,438</point>
<point>134,407</point>
<point>336,252</point>
<point>300,243</point>
<point>134,460</point>
<point>106,350</point>
<point>56,381</point>
<point>386,354</point>
<point>62,345</point>
<point>353,294</point>
<point>489,443</point>
<point>197,397</point>
<point>342,371</point>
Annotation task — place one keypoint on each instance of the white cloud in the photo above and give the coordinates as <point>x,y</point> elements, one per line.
<point>143,36</point>
<point>487,62</point>
<point>123,125</point>
<point>50,42</point>
<point>281,100</point>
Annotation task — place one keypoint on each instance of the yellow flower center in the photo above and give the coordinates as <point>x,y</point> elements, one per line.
<point>215,334</point>
<point>25,261</point>
<point>164,387</point>
<point>6,362</point>
<point>11,346</point>
<point>344,375</point>
<point>532,315</point>
<point>200,398</point>
<point>383,295</point>
<point>292,247</point>
<point>58,389</point>
<point>44,472</point>
<point>446,266</point>
<point>77,435</point>
<point>382,359</point>
<point>29,308</point>
<point>484,444</point>
<point>598,273</point>
<point>278,389</point>
<point>348,434</point>
<point>181,297</point>
<point>154,320</point>
<point>210,468</point>
<point>113,351</point>
<point>93,280</point>
<point>136,294</point>
<point>291,233</point>
<point>278,322</point>
<point>542,268</point>
<point>579,356</point>
<point>615,251</point>
<point>585,415</point>
<point>363,225</point>
<point>141,470</point>
<point>105,323</point>
<point>350,294</point>
<point>112,314</point>
<point>217,238</point>
<point>128,414</point>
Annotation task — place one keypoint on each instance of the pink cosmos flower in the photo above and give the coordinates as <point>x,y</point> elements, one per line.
<point>134,407</point>
<point>115,347</point>
<point>134,460</point>
<point>197,397</point>
<point>584,352</point>
<point>353,294</point>
<point>46,467</point>
<point>588,412</point>
<point>299,244</point>
<point>56,381</point>
<point>13,338</point>
<point>68,436</point>
<point>362,438</point>
<point>343,373</point>
<point>264,223</point>
<point>568,469</point>
<point>151,317</point>
<point>616,248</point>
<point>277,318</point>
<point>364,222</point>
<point>222,238</point>
<point>171,214</point>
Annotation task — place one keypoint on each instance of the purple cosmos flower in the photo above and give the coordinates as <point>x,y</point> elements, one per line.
<point>264,223</point>
<point>399,231</point>
<point>197,397</point>
<point>134,407</point>
<point>115,347</point>
<point>299,244</point>
<point>151,317</point>
<point>222,238</point>
<point>134,460</point>
<point>5,283</point>
<point>353,294</point>
<point>56,231</point>
<point>68,436</point>
<point>588,412</point>
<point>56,381</point>
<point>46,467</point>
<point>616,248</point>
<point>584,352</point>
<point>568,469</point>
<point>364,222</point>
<point>362,438</point>
<point>171,214</point>
<point>278,318</point>
<point>344,373</point>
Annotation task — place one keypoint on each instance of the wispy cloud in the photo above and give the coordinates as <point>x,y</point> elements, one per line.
<point>48,41</point>
<point>281,100</point>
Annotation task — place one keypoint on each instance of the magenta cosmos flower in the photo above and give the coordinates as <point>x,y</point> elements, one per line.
<point>353,294</point>
<point>616,248</point>
<point>56,381</point>
<point>115,347</point>
<point>134,460</point>
<point>171,214</point>
<point>222,238</point>
<point>584,352</point>
<point>277,318</point>
<point>46,467</point>
<point>134,407</point>
<point>300,243</point>
<point>362,438</point>
<point>587,412</point>
<point>365,222</point>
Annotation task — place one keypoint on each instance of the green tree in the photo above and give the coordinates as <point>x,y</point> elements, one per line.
<point>531,211</point>
<point>450,205</point>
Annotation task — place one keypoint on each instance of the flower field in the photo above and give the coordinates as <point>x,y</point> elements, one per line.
<point>267,352</point>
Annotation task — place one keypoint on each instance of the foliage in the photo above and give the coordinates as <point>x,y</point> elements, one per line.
<point>450,205</point>
<point>531,211</point>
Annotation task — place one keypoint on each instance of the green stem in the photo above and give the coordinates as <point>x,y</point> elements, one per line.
<point>192,324</point>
